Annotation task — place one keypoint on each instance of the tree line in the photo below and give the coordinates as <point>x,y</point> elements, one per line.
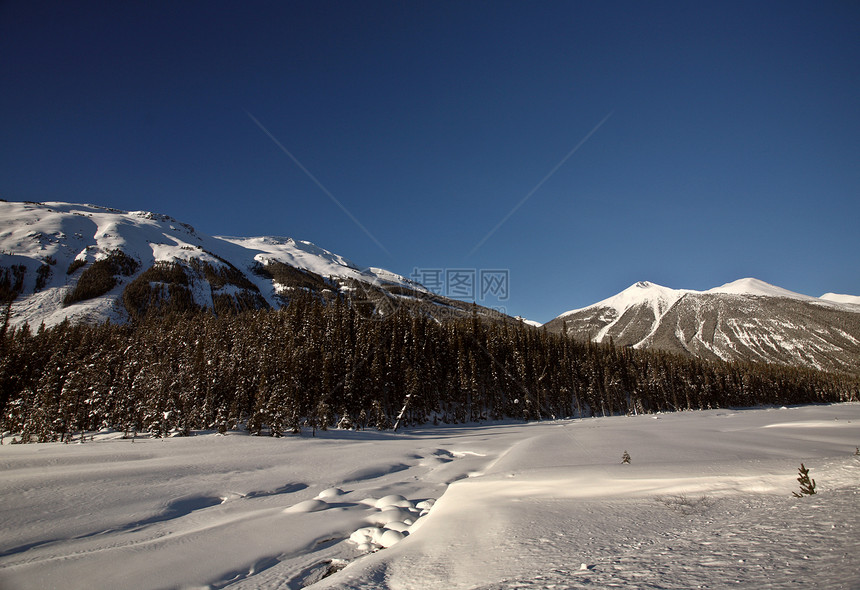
<point>315,365</point>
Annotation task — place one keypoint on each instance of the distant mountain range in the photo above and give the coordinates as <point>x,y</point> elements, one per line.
<point>89,263</point>
<point>746,320</point>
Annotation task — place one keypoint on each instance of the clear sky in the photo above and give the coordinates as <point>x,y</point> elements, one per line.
<point>731,147</point>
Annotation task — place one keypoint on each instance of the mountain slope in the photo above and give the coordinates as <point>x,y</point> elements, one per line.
<point>90,263</point>
<point>836,297</point>
<point>746,320</point>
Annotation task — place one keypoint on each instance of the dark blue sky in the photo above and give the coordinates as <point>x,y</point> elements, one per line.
<point>732,149</point>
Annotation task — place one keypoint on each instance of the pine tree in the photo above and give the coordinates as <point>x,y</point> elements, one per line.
<point>380,418</point>
<point>807,485</point>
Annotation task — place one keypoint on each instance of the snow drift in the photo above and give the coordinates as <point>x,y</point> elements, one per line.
<point>705,501</point>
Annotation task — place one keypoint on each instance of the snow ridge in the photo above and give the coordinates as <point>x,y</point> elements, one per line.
<point>660,299</point>
<point>838,298</point>
<point>657,297</point>
<point>747,320</point>
<point>758,288</point>
<point>48,237</point>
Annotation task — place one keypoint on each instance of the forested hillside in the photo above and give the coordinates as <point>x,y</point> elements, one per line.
<point>314,365</point>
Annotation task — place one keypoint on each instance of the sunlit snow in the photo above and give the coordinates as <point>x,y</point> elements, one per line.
<point>32,233</point>
<point>705,501</point>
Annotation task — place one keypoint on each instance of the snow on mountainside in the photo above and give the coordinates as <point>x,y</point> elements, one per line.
<point>661,298</point>
<point>837,298</point>
<point>46,249</point>
<point>648,300</point>
<point>755,287</point>
<point>746,320</point>
<point>310,257</point>
<point>657,297</point>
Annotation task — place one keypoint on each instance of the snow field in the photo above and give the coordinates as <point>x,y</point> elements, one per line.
<point>705,502</point>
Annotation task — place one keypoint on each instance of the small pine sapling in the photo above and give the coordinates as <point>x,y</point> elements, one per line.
<point>807,485</point>
<point>345,422</point>
<point>625,458</point>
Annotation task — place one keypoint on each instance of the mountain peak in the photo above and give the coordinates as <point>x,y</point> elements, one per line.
<point>756,287</point>
<point>744,320</point>
<point>642,293</point>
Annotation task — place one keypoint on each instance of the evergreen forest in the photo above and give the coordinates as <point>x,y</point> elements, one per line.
<point>316,365</point>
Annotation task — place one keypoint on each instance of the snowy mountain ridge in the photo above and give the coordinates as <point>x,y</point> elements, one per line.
<point>661,298</point>
<point>91,264</point>
<point>45,248</point>
<point>757,288</point>
<point>836,297</point>
<point>744,320</point>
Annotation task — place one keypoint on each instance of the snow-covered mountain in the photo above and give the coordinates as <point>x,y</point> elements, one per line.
<point>854,299</point>
<point>90,263</point>
<point>747,320</point>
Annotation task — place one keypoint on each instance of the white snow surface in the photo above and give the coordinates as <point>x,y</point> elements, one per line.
<point>759,288</point>
<point>840,298</point>
<point>32,232</point>
<point>705,502</point>
<point>659,298</point>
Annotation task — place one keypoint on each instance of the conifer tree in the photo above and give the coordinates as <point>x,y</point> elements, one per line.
<point>807,485</point>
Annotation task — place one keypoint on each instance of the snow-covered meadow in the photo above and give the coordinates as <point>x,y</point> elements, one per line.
<point>705,502</point>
